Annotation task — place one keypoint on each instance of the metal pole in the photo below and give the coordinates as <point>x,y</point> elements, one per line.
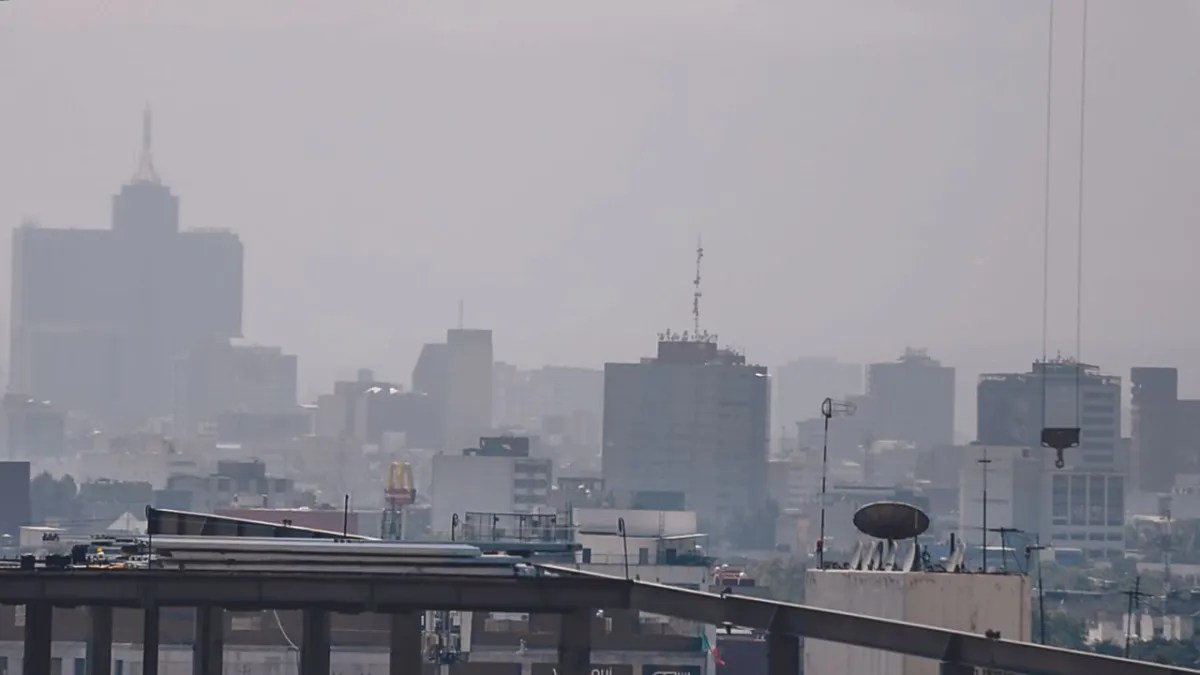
<point>984,462</point>
<point>346,517</point>
<point>1041,593</point>
<point>827,407</point>
<point>1137,584</point>
<point>624,544</point>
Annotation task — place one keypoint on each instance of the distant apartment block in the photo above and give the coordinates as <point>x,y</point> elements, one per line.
<point>687,430</point>
<point>369,411</point>
<point>562,405</point>
<point>911,399</point>
<point>498,476</point>
<point>234,484</point>
<point>1166,430</point>
<point>1082,505</point>
<point>468,413</point>
<point>1013,409</point>
<point>98,317</point>
<point>221,377</point>
<point>31,429</point>
<point>456,376</point>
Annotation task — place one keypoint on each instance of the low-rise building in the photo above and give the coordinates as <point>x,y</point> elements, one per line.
<point>497,477</point>
<point>975,603</point>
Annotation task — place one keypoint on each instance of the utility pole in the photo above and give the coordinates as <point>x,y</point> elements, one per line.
<point>983,462</point>
<point>1134,595</point>
<point>1037,546</point>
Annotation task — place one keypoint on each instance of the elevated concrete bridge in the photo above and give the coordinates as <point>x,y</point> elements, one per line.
<point>573,595</point>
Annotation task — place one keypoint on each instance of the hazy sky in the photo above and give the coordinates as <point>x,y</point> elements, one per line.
<point>865,175</point>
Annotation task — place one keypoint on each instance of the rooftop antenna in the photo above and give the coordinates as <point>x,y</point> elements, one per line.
<point>696,294</point>
<point>829,409</point>
<point>146,173</point>
<point>460,314</point>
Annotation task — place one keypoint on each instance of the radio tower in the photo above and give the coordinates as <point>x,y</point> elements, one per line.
<point>696,294</point>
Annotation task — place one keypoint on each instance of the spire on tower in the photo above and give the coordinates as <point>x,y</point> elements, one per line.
<point>696,294</point>
<point>146,173</point>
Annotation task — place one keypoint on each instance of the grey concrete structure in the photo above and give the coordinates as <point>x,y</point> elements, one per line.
<point>559,590</point>
<point>687,431</point>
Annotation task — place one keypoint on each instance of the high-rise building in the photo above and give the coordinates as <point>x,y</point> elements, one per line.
<point>1082,505</point>
<point>911,399</point>
<point>468,387</point>
<point>429,378</point>
<point>1014,408</point>
<point>98,317</point>
<point>687,431</point>
<point>229,378</point>
<point>1158,454</point>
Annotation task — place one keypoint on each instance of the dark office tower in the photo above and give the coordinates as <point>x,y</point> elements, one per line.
<point>688,430</point>
<point>100,316</point>
<point>431,378</point>
<point>14,497</point>
<point>1157,455</point>
<point>911,399</point>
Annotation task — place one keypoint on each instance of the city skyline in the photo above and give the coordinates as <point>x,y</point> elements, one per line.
<point>327,216</point>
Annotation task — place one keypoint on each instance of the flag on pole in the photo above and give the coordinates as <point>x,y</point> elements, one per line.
<point>711,648</point>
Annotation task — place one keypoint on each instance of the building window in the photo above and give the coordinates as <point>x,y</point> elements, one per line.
<point>1116,501</point>
<point>643,556</point>
<point>1078,500</point>
<point>1059,497</point>
<point>1096,502</point>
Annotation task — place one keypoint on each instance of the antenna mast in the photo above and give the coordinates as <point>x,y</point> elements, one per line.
<point>146,173</point>
<point>696,294</point>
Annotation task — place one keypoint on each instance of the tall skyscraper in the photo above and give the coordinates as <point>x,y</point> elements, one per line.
<point>687,430</point>
<point>911,399</point>
<point>1158,454</point>
<point>98,317</point>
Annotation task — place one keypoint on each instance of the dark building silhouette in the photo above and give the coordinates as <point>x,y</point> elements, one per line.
<point>15,509</point>
<point>911,399</point>
<point>1158,454</point>
<point>98,317</point>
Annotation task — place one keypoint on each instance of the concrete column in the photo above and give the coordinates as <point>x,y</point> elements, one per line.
<point>575,643</point>
<point>39,621</point>
<point>783,654</point>
<point>99,641</point>
<point>150,641</point>
<point>406,656</point>
<point>314,647</point>
<point>952,668</point>
<point>208,645</point>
